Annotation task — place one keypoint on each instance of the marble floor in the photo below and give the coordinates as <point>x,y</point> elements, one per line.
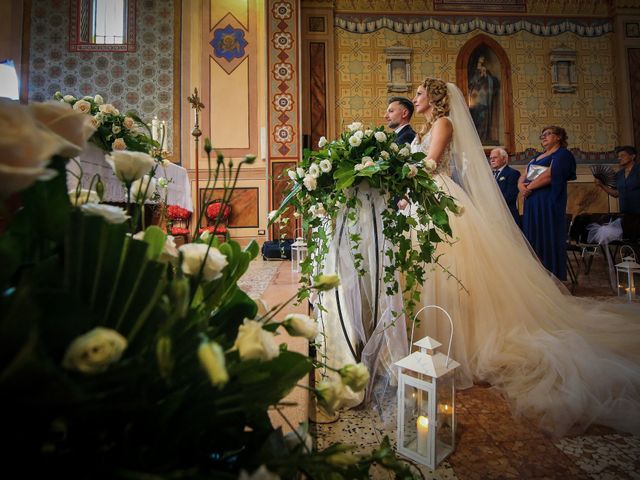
<point>491,444</point>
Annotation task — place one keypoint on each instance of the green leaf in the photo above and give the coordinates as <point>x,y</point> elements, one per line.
<point>156,239</point>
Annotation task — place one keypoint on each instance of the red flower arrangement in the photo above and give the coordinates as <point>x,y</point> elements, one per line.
<point>175,212</point>
<point>214,208</point>
<point>175,231</point>
<point>219,230</point>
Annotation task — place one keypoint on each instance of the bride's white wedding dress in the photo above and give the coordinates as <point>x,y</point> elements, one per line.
<point>569,362</point>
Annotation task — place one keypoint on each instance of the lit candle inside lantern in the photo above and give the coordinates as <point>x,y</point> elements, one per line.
<point>423,434</point>
<point>164,135</point>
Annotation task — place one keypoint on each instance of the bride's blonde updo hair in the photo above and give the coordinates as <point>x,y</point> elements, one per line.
<point>437,91</point>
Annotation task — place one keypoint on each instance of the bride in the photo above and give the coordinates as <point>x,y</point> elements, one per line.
<point>565,361</point>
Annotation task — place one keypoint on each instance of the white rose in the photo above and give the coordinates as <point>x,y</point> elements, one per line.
<point>116,129</point>
<point>193,254</point>
<point>74,127</point>
<point>354,126</point>
<point>354,141</point>
<point>94,351</point>
<point>318,210</point>
<point>110,213</point>
<point>109,109</point>
<point>322,142</point>
<point>430,165</point>
<point>310,183</point>
<point>69,98</point>
<point>358,167</point>
<point>314,170</point>
<point>301,325</point>
<point>393,147</point>
<point>82,106</point>
<point>300,172</point>
<point>330,394</point>
<point>325,166</point>
<point>255,343</point>
<point>169,251</point>
<point>366,159</point>
<point>368,132</point>
<point>359,134</point>
<point>261,473</point>
<point>128,123</point>
<point>130,166</point>
<point>380,137</point>
<point>212,359</point>
<point>25,148</point>
<point>384,154</point>
<point>413,171</point>
<point>404,152</point>
<point>143,188</point>
<point>355,376</point>
<point>98,99</point>
<point>119,145</point>
<point>292,175</point>
<point>83,196</point>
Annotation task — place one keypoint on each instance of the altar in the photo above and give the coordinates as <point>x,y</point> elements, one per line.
<point>91,161</point>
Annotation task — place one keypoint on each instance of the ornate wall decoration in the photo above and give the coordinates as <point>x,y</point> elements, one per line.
<point>564,78</point>
<point>140,80</point>
<point>398,68</point>
<point>283,71</point>
<point>228,41</point>
<point>458,25</point>
<point>589,116</point>
<point>482,5</point>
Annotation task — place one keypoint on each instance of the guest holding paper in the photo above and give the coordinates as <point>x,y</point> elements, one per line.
<point>544,189</point>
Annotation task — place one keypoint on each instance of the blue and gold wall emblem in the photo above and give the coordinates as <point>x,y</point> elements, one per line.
<point>228,43</point>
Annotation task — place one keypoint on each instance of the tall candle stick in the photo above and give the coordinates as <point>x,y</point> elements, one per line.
<point>164,136</point>
<point>154,128</point>
<point>423,434</point>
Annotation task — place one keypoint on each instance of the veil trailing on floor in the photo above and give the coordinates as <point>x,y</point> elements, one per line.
<point>566,361</point>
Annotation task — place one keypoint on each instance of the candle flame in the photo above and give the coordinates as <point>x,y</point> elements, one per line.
<point>423,421</point>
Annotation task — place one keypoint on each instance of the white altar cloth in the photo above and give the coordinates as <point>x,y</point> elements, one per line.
<point>92,161</point>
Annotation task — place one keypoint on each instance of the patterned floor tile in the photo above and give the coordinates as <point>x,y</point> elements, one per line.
<point>481,462</point>
<point>538,459</point>
<point>596,455</point>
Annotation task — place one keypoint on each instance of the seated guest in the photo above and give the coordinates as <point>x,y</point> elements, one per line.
<point>398,116</point>
<point>627,189</point>
<point>507,179</point>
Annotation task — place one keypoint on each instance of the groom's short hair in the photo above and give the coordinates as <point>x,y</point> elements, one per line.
<point>405,102</point>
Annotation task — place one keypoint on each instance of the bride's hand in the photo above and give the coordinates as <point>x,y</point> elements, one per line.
<point>402,204</point>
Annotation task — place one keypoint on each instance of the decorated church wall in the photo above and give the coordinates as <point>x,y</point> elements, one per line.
<point>140,80</point>
<point>589,114</point>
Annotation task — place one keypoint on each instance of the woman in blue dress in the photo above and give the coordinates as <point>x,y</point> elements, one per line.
<point>544,189</point>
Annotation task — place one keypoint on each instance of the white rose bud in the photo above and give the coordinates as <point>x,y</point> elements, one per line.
<point>128,123</point>
<point>368,132</point>
<point>143,188</point>
<point>393,147</point>
<point>255,343</point>
<point>358,167</point>
<point>430,165</point>
<point>82,106</point>
<point>404,152</point>
<point>110,213</point>
<point>355,141</point>
<point>193,254</point>
<point>130,166</point>
<point>98,99</point>
<point>325,166</point>
<point>300,172</point>
<point>292,175</point>
<point>326,282</point>
<point>413,171</point>
<point>69,98</point>
<point>83,196</point>
<point>330,394</point>
<point>314,170</point>
<point>359,134</point>
<point>163,182</point>
<point>380,137</point>
<point>322,142</point>
<point>354,126</point>
<point>300,325</point>
<point>170,251</point>
<point>355,376</point>
<point>94,351</point>
<point>212,359</point>
<point>385,155</point>
<point>310,183</point>
<point>459,209</point>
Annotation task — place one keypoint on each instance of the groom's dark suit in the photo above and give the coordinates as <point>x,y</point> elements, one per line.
<point>406,135</point>
<point>508,183</point>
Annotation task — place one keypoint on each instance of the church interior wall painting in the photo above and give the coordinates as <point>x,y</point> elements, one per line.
<point>589,115</point>
<point>142,80</point>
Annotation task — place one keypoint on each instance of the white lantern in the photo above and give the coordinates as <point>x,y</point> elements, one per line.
<point>426,403</point>
<point>298,254</point>
<point>628,273</point>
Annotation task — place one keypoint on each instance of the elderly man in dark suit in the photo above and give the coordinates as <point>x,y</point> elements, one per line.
<point>507,179</point>
<point>398,116</point>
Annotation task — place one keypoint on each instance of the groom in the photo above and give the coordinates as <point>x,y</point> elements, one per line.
<point>398,115</point>
<point>507,179</point>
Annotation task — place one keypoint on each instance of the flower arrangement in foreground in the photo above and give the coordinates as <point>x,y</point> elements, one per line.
<point>113,130</point>
<point>124,357</point>
<point>323,183</point>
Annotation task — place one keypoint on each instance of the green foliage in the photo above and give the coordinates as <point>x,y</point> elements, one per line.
<point>320,191</point>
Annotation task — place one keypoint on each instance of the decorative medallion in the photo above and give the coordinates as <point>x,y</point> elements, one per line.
<point>227,39</point>
<point>228,43</point>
